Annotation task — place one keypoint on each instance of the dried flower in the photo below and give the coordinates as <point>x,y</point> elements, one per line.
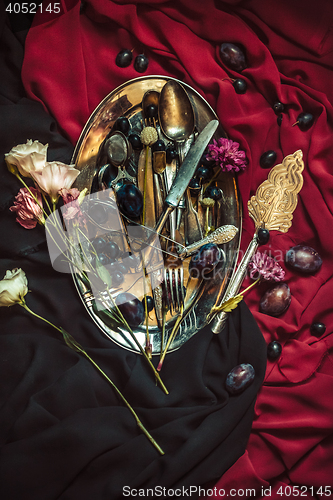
<point>72,207</point>
<point>54,177</point>
<point>69,195</point>
<point>264,266</point>
<point>226,153</point>
<point>148,136</point>
<point>207,202</point>
<point>28,158</point>
<point>13,288</point>
<point>28,211</point>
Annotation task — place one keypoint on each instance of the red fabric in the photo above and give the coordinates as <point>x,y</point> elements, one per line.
<point>70,67</point>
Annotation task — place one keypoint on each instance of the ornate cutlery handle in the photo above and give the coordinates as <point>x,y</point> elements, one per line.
<point>221,235</point>
<point>235,283</point>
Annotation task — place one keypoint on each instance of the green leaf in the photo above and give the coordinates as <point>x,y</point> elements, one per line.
<point>84,280</point>
<point>231,304</point>
<point>105,314</point>
<point>71,342</point>
<point>103,273</point>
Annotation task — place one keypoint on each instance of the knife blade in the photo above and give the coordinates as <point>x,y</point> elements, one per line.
<point>189,164</point>
<point>156,263</point>
<point>186,172</point>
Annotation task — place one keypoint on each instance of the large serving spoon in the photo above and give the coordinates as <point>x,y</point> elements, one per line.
<point>175,112</point>
<point>176,119</point>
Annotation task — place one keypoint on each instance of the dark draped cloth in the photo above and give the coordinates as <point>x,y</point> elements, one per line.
<point>65,435</point>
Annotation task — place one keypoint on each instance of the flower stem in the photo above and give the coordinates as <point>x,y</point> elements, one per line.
<point>231,303</point>
<point>145,186</point>
<point>24,305</point>
<point>249,287</point>
<point>143,352</point>
<point>138,421</point>
<point>171,337</point>
<point>148,344</point>
<point>123,320</point>
<point>163,330</point>
<point>207,221</point>
<point>82,351</point>
<point>213,179</point>
<point>47,203</point>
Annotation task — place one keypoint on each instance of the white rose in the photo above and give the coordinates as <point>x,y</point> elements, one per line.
<point>13,287</point>
<point>29,157</point>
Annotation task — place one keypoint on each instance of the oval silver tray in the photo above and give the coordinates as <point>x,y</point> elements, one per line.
<point>201,295</point>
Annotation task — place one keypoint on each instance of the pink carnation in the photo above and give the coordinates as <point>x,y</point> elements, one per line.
<point>28,211</point>
<point>264,266</point>
<point>226,153</point>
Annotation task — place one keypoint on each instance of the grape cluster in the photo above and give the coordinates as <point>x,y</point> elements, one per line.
<point>125,57</point>
<point>205,260</point>
<point>107,253</point>
<point>204,175</point>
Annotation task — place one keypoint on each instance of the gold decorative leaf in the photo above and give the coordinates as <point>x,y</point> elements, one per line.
<point>273,205</point>
<point>229,305</point>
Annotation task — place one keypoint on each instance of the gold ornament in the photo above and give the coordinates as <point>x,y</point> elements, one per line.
<point>273,205</point>
<point>271,208</point>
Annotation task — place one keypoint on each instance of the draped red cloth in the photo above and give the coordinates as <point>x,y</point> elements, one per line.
<point>69,67</point>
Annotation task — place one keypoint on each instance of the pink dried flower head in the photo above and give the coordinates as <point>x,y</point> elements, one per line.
<point>72,207</point>
<point>28,211</point>
<point>28,158</point>
<point>69,195</point>
<point>226,153</point>
<point>264,266</point>
<point>54,177</point>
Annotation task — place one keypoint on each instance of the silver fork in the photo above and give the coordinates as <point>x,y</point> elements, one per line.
<point>173,270</point>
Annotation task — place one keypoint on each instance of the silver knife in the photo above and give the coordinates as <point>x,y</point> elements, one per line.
<point>186,172</point>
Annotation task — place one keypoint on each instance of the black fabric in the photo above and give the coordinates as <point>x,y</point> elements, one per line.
<point>64,433</point>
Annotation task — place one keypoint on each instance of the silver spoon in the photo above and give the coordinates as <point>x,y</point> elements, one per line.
<point>176,118</point>
<point>118,150</point>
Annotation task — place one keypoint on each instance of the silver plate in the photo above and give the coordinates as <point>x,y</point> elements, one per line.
<point>126,101</point>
